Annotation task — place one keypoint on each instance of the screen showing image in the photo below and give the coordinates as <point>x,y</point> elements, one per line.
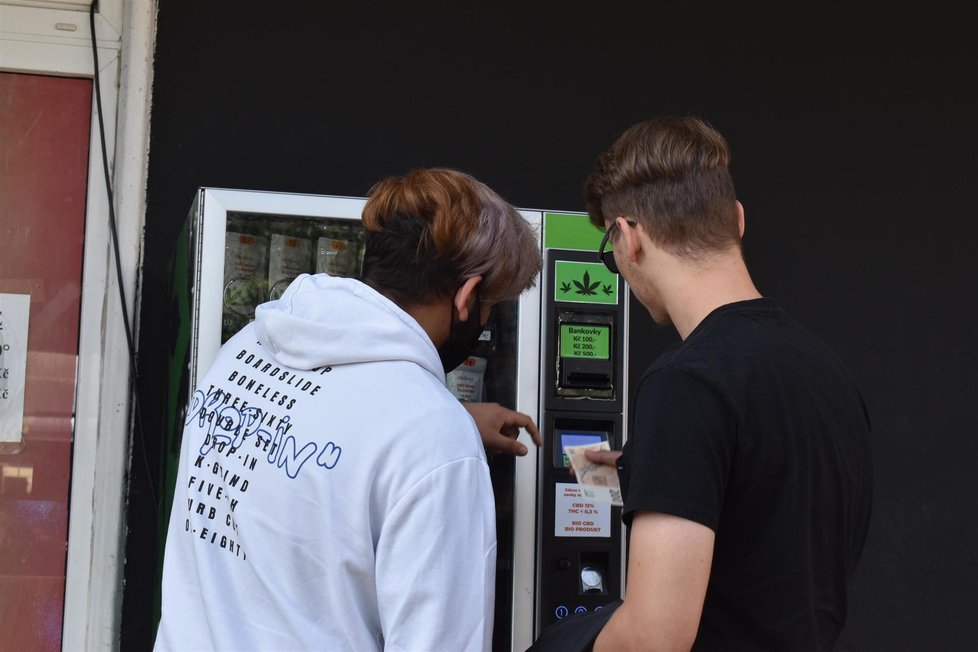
<point>577,439</point>
<point>585,341</point>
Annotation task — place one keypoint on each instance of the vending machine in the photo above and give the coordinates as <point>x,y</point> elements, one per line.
<point>557,353</point>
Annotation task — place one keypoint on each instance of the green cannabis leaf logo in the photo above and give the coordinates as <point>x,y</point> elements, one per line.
<point>607,289</point>
<point>565,287</point>
<point>585,287</point>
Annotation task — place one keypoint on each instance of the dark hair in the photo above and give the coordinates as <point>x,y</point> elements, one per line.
<point>672,175</point>
<point>426,232</point>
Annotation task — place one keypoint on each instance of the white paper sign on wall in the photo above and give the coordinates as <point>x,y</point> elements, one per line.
<point>14,320</point>
<point>576,516</point>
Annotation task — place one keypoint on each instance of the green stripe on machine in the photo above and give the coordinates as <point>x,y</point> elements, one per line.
<point>570,231</point>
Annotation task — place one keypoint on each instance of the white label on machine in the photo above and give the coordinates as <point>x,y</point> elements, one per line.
<point>14,315</point>
<point>577,516</point>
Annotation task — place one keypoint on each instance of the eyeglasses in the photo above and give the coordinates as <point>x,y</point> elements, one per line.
<point>608,257</point>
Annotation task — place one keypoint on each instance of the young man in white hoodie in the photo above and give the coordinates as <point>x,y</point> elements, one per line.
<point>332,494</point>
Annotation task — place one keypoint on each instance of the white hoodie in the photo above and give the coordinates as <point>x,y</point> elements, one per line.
<point>332,494</point>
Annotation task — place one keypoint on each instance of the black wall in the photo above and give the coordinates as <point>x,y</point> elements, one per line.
<point>854,154</point>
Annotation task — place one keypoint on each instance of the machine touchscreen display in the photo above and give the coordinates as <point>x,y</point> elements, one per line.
<point>575,438</point>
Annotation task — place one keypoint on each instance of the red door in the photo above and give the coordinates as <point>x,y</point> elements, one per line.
<point>44,145</point>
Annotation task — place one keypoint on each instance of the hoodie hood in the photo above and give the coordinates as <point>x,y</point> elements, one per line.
<point>325,320</point>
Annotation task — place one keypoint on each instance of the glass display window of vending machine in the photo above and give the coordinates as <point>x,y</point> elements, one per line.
<point>240,248</point>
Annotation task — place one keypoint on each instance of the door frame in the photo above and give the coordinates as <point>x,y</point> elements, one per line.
<point>52,38</point>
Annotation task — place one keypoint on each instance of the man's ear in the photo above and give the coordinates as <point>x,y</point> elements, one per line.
<point>740,216</point>
<point>464,295</point>
<point>629,239</point>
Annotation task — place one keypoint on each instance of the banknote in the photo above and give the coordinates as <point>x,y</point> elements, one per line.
<point>599,482</point>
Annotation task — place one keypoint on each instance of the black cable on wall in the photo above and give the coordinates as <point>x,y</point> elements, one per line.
<point>133,376</point>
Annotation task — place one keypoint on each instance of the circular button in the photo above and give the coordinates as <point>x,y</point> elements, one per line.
<point>580,609</point>
<point>561,611</point>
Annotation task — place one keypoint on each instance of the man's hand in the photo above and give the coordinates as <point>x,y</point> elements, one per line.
<point>608,458</point>
<point>500,427</point>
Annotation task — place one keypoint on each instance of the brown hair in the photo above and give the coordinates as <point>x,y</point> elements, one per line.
<point>672,175</point>
<point>430,230</point>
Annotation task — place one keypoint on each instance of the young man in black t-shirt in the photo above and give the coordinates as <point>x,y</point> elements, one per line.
<point>747,474</point>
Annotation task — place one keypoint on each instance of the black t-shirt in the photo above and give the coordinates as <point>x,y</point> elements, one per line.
<point>753,427</point>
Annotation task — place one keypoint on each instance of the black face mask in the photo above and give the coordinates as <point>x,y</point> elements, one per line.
<point>462,338</point>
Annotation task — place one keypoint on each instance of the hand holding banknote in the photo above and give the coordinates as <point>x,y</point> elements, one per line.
<point>606,457</point>
<point>594,467</point>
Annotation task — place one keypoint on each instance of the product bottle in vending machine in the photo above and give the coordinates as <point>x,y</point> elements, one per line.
<point>291,245</point>
<point>339,248</point>
<point>467,381</point>
<point>245,272</point>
